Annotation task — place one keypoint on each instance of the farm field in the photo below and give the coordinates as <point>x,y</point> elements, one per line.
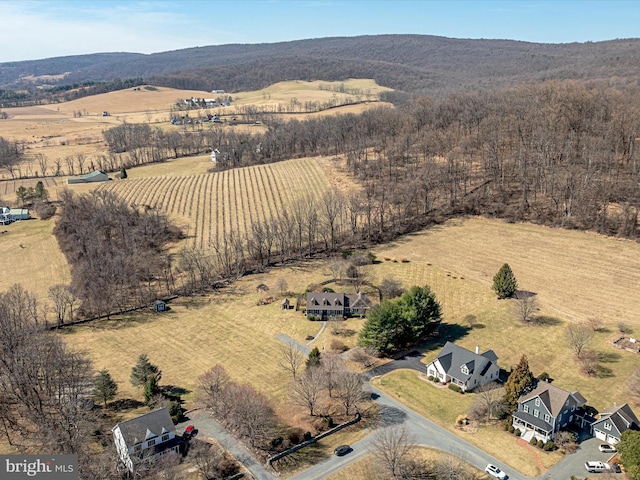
<point>209,206</point>
<point>70,128</point>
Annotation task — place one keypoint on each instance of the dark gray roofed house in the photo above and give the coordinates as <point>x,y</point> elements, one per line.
<point>463,367</point>
<point>330,304</point>
<point>613,422</point>
<point>145,438</point>
<point>546,409</point>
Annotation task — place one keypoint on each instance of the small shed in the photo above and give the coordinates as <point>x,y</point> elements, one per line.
<point>96,176</point>
<point>285,304</point>
<point>159,306</point>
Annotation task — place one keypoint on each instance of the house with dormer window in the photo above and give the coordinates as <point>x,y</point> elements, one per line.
<point>330,304</point>
<point>547,409</point>
<point>145,438</point>
<point>463,367</point>
<point>613,422</point>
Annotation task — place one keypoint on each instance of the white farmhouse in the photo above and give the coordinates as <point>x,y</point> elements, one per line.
<point>145,438</point>
<point>464,368</point>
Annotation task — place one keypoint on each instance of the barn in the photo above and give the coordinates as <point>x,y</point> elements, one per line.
<point>97,176</point>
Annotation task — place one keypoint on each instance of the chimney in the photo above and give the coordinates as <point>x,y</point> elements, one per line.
<point>477,349</point>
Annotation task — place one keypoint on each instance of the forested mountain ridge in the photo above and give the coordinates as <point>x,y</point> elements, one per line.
<point>413,63</point>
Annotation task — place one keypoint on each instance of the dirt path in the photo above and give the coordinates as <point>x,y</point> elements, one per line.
<point>532,450</point>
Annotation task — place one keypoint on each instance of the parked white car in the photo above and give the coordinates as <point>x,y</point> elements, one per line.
<point>495,472</point>
<point>606,448</point>
<point>596,467</point>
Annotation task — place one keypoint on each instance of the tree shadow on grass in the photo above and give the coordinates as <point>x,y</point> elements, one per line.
<point>546,320</point>
<point>604,372</point>
<point>306,456</point>
<point>125,404</point>
<point>609,357</point>
<point>447,332</point>
<point>173,391</point>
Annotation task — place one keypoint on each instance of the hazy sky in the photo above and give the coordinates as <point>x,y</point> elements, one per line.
<point>41,29</point>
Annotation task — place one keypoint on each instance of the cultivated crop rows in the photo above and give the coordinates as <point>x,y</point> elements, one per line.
<point>211,205</point>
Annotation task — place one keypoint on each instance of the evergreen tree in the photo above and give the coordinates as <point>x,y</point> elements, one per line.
<point>504,282</point>
<point>143,370</point>
<point>151,389</point>
<point>41,192</point>
<point>314,358</point>
<point>396,324</point>
<point>123,173</point>
<point>520,382</point>
<point>629,448</point>
<point>105,388</point>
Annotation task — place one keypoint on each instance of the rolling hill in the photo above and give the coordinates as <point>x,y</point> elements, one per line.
<point>412,63</point>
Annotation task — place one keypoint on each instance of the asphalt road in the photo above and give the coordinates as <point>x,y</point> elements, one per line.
<point>424,431</point>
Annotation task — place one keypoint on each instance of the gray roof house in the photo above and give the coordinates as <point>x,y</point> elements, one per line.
<point>613,422</point>
<point>330,304</point>
<point>96,176</point>
<point>145,438</point>
<point>463,367</point>
<point>546,409</point>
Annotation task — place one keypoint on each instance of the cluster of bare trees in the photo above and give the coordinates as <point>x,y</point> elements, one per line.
<point>45,388</point>
<point>117,253</point>
<point>239,407</point>
<point>395,450</point>
<point>11,153</point>
<point>326,387</point>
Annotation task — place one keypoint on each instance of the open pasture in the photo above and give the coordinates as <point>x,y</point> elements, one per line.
<point>66,129</point>
<point>211,205</point>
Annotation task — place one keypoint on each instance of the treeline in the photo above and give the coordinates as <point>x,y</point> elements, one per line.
<point>63,93</point>
<point>117,253</point>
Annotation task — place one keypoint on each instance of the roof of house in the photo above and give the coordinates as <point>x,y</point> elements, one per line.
<point>452,357</point>
<point>149,425</point>
<point>554,398</point>
<point>622,417</point>
<point>536,421</point>
<point>358,300</point>
<point>326,300</point>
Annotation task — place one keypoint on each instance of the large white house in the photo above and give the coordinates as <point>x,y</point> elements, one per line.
<point>463,367</point>
<point>145,438</point>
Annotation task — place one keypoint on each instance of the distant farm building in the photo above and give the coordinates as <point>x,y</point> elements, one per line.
<point>159,306</point>
<point>97,176</point>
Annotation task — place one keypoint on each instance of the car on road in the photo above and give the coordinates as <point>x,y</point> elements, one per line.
<point>606,448</point>
<point>495,472</point>
<point>342,450</point>
<point>596,467</point>
<point>189,432</point>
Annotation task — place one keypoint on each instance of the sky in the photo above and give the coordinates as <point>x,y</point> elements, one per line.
<point>50,28</point>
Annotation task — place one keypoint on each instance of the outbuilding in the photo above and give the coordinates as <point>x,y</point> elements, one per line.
<point>159,306</point>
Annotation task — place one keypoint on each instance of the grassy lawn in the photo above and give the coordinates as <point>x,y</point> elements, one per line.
<point>443,406</point>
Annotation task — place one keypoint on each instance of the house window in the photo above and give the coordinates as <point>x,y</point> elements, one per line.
<point>152,442</point>
<point>137,448</point>
<point>607,426</point>
<point>573,408</point>
<point>537,402</point>
<point>165,437</point>
<point>464,369</point>
<point>547,418</point>
<point>536,413</point>
<point>525,408</point>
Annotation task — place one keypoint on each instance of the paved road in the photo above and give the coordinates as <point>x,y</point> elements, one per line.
<point>411,361</point>
<point>209,428</point>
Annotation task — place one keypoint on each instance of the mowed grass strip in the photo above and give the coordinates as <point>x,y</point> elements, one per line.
<point>32,257</point>
<point>443,406</point>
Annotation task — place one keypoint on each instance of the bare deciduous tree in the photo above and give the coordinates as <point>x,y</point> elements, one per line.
<point>578,337</point>
<point>290,358</point>
<point>525,306</point>
<point>282,285</point>
<point>306,390</point>
<point>488,404</point>
<point>392,446</point>
<point>589,361</point>
<point>349,390</point>
<point>210,386</point>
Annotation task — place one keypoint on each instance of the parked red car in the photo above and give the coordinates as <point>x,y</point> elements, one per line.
<point>189,431</point>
